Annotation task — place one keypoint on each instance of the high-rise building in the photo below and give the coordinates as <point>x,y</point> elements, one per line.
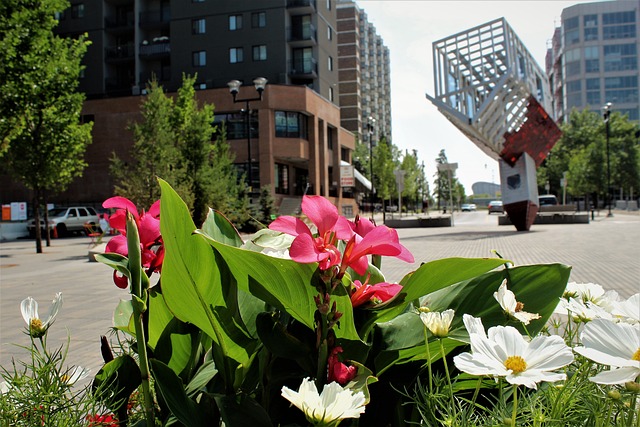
<point>295,142</point>
<point>364,74</point>
<point>593,58</point>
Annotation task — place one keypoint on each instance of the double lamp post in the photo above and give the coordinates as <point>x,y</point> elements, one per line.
<point>234,87</point>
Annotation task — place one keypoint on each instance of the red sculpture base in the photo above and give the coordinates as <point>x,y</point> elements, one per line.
<point>522,214</point>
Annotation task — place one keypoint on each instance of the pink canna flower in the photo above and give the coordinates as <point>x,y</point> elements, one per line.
<point>307,248</point>
<point>338,371</point>
<point>381,240</point>
<point>362,226</point>
<point>378,293</point>
<point>148,223</point>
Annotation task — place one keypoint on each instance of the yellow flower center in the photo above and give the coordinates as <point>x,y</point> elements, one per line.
<point>65,378</point>
<point>36,325</point>
<point>515,364</point>
<point>636,355</point>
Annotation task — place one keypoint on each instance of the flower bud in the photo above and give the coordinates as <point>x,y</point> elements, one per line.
<point>613,394</point>
<point>632,386</point>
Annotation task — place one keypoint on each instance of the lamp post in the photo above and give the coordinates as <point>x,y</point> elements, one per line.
<point>370,122</point>
<point>607,115</point>
<point>234,87</point>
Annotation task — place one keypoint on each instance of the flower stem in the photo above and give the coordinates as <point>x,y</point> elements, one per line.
<point>477,391</point>
<point>514,412</point>
<point>446,366</point>
<point>426,343</point>
<point>138,301</point>
<point>323,352</point>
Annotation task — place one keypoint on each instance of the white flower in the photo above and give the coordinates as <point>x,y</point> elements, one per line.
<point>627,310</point>
<point>438,323</point>
<point>582,311</point>
<point>4,387</point>
<point>74,375</point>
<point>583,291</point>
<point>614,344</point>
<point>29,308</point>
<point>505,353</point>
<point>513,308</point>
<point>333,405</point>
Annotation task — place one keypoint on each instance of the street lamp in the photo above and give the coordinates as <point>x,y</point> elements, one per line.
<point>371,121</point>
<point>234,87</point>
<point>607,115</point>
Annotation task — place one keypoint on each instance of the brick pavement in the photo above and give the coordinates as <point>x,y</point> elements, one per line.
<point>607,252</point>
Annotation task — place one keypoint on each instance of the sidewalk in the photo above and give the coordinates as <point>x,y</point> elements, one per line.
<point>606,251</point>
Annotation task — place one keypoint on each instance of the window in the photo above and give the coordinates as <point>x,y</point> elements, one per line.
<point>235,22</point>
<point>328,4</point>
<point>77,11</point>
<point>330,63</point>
<point>236,55</point>
<point>282,179</point>
<point>60,15</point>
<point>291,124</point>
<point>260,53</point>
<point>572,62</point>
<point>574,94</point>
<point>329,33</point>
<point>618,25</point>
<point>235,124</point>
<point>259,19</point>
<point>199,58</point>
<point>571,31</point>
<point>590,23</point>
<point>331,94</point>
<point>197,1</point>
<point>591,59</point>
<point>620,57</point>
<point>330,132</point>
<point>621,89</point>
<point>198,26</point>
<point>593,92</point>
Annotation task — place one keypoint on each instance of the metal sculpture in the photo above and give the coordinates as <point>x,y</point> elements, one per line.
<point>490,87</point>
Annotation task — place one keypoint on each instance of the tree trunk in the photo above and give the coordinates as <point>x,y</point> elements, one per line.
<point>36,215</point>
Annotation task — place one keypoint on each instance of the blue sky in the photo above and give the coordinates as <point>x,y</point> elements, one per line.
<point>409,28</point>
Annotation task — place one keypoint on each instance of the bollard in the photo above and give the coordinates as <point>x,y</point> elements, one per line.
<point>592,215</point>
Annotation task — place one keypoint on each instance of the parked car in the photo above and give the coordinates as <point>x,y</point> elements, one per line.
<point>66,220</point>
<point>547,200</point>
<point>468,207</point>
<point>496,206</point>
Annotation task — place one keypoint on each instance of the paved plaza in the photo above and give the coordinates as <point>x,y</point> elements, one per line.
<point>606,251</point>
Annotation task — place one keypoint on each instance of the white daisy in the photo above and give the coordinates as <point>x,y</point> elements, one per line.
<point>75,374</point>
<point>628,310</point>
<point>505,353</point>
<point>614,344</point>
<point>334,404</point>
<point>583,291</point>
<point>438,323</point>
<point>513,308</point>
<point>581,311</point>
<point>4,387</point>
<point>29,308</point>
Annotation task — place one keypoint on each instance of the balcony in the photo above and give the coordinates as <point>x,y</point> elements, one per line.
<point>305,68</point>
<point>162,75</point>
<point>117,87</point>
<point>155,51</point>
<point>301,6</point>
<point>302,36</point>
<point>119,54</point>
<point>155,19</point>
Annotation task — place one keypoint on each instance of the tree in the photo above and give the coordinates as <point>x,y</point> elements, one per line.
<point>446,185</point>
<point>153,154</point>
<point>174,141</point>
<point>43,141</point>
<point>412,178</point>
<point>383,166</point>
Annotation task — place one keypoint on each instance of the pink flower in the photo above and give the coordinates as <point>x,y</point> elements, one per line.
<point>148,223</point>
<point>381,240</point>
<point>307,248</point>
<point>338,371</point>
<point>378,293</point>
<point>362,226</point>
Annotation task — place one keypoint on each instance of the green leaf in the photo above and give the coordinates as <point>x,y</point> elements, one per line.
<point>218,227</point>
<point>203,376</point>
<point>267,238</point>
<point>115,261</point>
<point>121,377</point>
<point>278,340</point>
<point>194,289</point>
<point>122,317</point>
<point>538,286</point>
<point>430,277</point>
<point>172,390</point>
<point>242,411</point>
<point>284,284</point>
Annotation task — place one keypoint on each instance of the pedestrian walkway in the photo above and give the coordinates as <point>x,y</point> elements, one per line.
<point>606,251</point>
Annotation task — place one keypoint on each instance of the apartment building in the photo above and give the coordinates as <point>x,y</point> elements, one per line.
<point>364,75</point>
<point>295,139</point>
<point>593,58</point>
